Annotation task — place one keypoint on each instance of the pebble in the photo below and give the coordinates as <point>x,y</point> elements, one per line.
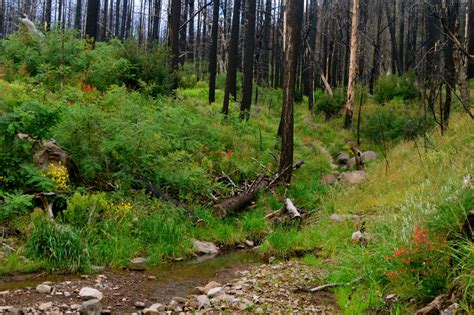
<point>43,288</point>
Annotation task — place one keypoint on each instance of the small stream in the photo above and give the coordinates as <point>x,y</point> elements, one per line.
<point>161,282</point>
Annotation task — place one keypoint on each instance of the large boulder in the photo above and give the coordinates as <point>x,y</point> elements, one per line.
<point>50,153</point>
<point>353,178</point>
<point>205,248</point>
<point>368,156</point>
<point>351,162</point>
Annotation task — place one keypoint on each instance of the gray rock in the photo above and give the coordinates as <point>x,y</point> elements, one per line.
<point>138,260</point>
<point>97,268</point>
<point>154,309</point>
<point>336,218</point>
<point>329,179</point>
<point>91,307</point>
<point>351,163</point>
<point>43,288</point>
<point>140,304</point>
<point>342,157</point>
<point>205,247</point>
<point>88,293</point>
<point>75,306</point>
<point>45,306</point>
<point>368,156</point>
<point>353,178</point>
<point>137,264</point>
<point>203,301</point>
<point>214,292</point>
<point>451,310</point>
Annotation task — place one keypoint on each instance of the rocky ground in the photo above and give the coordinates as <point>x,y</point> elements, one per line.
<point>262,288</point>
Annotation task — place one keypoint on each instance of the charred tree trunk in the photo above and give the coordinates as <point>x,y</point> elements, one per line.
<point>93,7</point>
<point>117,18</point>
<point>104,22</point>
<point>231,81</point>
<point>393,38</point>
<point>312,52</point>
<point>47,14</point>
<point>213,53</point>
<point>156,20</point>
<point>124,19</point>
<point>451,11</point>
<point>376,57</point>
<point>249,51</point>
<point>174,21</point>
<point>293,20</point>
<point>352,65</point>
<point>2,18</point>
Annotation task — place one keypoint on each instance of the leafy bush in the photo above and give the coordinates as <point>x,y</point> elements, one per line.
<point>391,87</point>
<point>388,124</point>
<point>85,209</point>
<point>330,105</point>
<point>14,205</point>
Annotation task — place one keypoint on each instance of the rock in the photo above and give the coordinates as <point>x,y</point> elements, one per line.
<point>203,301</point>
<point>140,305</point>
<point>214,292</point>
<point>177,300</point>
<point>137,264</point>
<point>67,294</point>
<point>209,286</point>
<point>249,243</point>
<point>4,293</point>
<point>205,247</point>
<point>336,218</point>
<point>91,307</point>
<point>45,306</point>
<point>368,156</point>
<point>88,293</point>
<point>333,166</point>
<point>271,259</point>
<point>329,179</point>
<point>154,309</point>
<point>351,163</point>
<point>7,249</point>
<point>354,178</point>
<point>138,260</point>
<point>49,153</point>
<point>240,246</point>
<point>342,157</point>
<point>151,277</point>
<point>43,288</point>
<point>75,306</point>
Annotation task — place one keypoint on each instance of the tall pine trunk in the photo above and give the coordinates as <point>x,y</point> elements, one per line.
<point>231,80</point>
<point>352,65</point>
<point>175,18</point>
<point>293,19</point>
<point>249,52</point>
<point>213,53</point>
<point>93,7</point>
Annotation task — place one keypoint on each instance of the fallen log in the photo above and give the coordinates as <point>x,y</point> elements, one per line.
<point>291,209</point>
<point>435,305</point>
<point>240,201</point>
<point>327,286</point>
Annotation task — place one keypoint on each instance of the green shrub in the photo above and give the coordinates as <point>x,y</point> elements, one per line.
<point>391,87</point>
<point>85,209</point>
<point>330,105</point>
<point>388,124</point>
<point>15,205</point>
<point>59,245</point>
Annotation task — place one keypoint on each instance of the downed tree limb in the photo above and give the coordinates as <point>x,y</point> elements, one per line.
<point>273,214</point>
<point>434,305</point>
<point>328,286</point>
<point>242,200</point>
<point>291,209</point>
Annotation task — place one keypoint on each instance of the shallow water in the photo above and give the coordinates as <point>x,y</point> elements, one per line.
<point>172,279</point>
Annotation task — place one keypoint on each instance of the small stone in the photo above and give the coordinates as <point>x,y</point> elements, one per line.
<point>240,246</point>
<point>45,306</point>
<point>210,285</point>
<point>4,293</point>
<point>342,157</point>
<point>140,305</point>
<point>249,243</point>
<point>67,294</point>
<point>271,259</point>
<point>201,247</point>
<point>97,269</point>
<point>43,288</point>
<point>154,309</point>
<point>354,178</point>
<point>151,278</point>
<point>336,217</point>
<point>75,306</point>
<point>329,179</point>
<point>88,293</point>
<point>138,260</point>
<point>203,301</point>
<point>368,156</point>
<point>214,291</point>
<point>91,307</point>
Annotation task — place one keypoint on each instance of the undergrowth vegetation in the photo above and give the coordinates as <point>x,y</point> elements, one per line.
<point>112,109</point>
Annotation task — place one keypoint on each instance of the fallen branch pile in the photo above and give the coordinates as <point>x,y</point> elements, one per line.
<point>241,200</point>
